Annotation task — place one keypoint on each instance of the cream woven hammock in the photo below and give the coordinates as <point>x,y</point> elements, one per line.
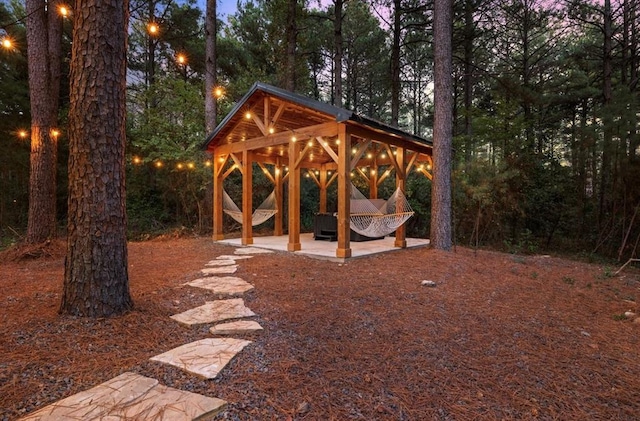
<point>263,212</point>
<point>378,221</point>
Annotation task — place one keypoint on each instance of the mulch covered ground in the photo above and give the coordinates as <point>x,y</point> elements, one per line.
<point>499,337</point>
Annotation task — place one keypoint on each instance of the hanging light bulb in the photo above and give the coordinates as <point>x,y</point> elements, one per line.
<point>181,58</point>
<point>22,134</point>
<point>7,43</point>
<point>153,28</point>
<point>218,92</point>
<point>63,10</point>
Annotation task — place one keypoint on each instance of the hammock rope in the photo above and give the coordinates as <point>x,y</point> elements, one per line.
<point>262,213</point>
<point>369,220</point>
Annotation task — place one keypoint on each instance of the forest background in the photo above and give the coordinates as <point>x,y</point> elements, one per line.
<point>545,116</point>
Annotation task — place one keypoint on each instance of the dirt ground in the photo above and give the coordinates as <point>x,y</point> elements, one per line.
<point>500,337</point>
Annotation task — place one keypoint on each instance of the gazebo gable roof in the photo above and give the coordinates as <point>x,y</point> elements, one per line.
<point>267,110</point>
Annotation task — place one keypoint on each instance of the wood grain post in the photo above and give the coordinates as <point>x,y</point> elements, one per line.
<point>247,196</point>
<point>294,197</point>
<point>344,192</point>
<point>218,185</point>
<point>401,177</point>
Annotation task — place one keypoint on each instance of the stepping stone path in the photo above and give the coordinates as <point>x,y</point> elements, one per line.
<point>221,262</point>
<point>214,311</point>
<point>237,327</point>
<point>206,357</point>
<point>222,285</point>
<point>131,396</point>
<point>233,257</point>
<point>229,269</point>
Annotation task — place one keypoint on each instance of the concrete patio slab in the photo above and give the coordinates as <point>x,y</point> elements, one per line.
<point>206,357</point>
<point>131,396</point>
<point>229,269</point>
<point>251,250</point>
<point>326,250</point>
<point>236,328</point>
<point>214,311</point>
<point>230,285</point>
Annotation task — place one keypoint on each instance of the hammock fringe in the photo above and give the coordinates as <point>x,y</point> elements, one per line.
<point>262,213</point>
<point>369,220</point>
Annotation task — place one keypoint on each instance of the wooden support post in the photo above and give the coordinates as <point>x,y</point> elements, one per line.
<point>401,177</point>
<point>323,189</point>
<point>247,196</point>
<point>294,197</point>
<point>218,182</point>
<point>344,192</point>
<point>373,180</point>
<point>279,182</point>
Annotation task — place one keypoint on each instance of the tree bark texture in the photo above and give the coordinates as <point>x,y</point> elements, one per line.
<point>607,94</point>
<point>44,32</point>
<point>211,75</point>
<point>395,63</point>
<point>442,127</point>
<point>292,40</point>
<point>337,57</point>
<point>96,280</point>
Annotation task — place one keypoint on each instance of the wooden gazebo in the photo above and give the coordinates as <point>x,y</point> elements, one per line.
<point>285,134</point>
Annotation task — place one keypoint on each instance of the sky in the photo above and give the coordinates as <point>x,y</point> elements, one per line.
<point>225,7</point>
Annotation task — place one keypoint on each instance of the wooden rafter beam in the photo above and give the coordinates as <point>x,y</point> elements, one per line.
<point>312,175</point>
<point>266,172</point>
<point>390,139</point>
<point>230,170</point>
<point>392,159</point>
<point>426,173</point>
<point>238,162</point>
<point>363,174</point>
<point>362,147</point>
<point>385,175</point>
<point>259,123</point>
<point>225,159</point>
<point>267,113</point>
<point>333,178</point>
<point>326,147</point>
<point>307,146</point>
<point>324,129</point>
<point>278,114</point>
<point>412,162</point>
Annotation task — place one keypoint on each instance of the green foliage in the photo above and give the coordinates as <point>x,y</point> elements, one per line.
<point>168,133</point>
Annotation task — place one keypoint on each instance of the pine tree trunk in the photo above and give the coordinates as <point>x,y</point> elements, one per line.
<point>337,58</point>
<point>442,127</point>
<point>210,78</point>
<point>292,36</point>
<point>395,63</point>
<point>607,93</point>
<point>44,31</point>
<point>96,280</point>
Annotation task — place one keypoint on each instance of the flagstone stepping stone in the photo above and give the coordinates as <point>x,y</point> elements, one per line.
<point>222,284</point>
<point>206,357</point>
<point>220,262</point>
<point>131,396</point>
<point>214,311</point>
<point>229,269</point>
<point>251,250</point>
<point>232,257</point>
<point>236,328</point>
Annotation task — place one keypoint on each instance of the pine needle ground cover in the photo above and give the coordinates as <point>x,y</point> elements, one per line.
<point>498,337</point>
